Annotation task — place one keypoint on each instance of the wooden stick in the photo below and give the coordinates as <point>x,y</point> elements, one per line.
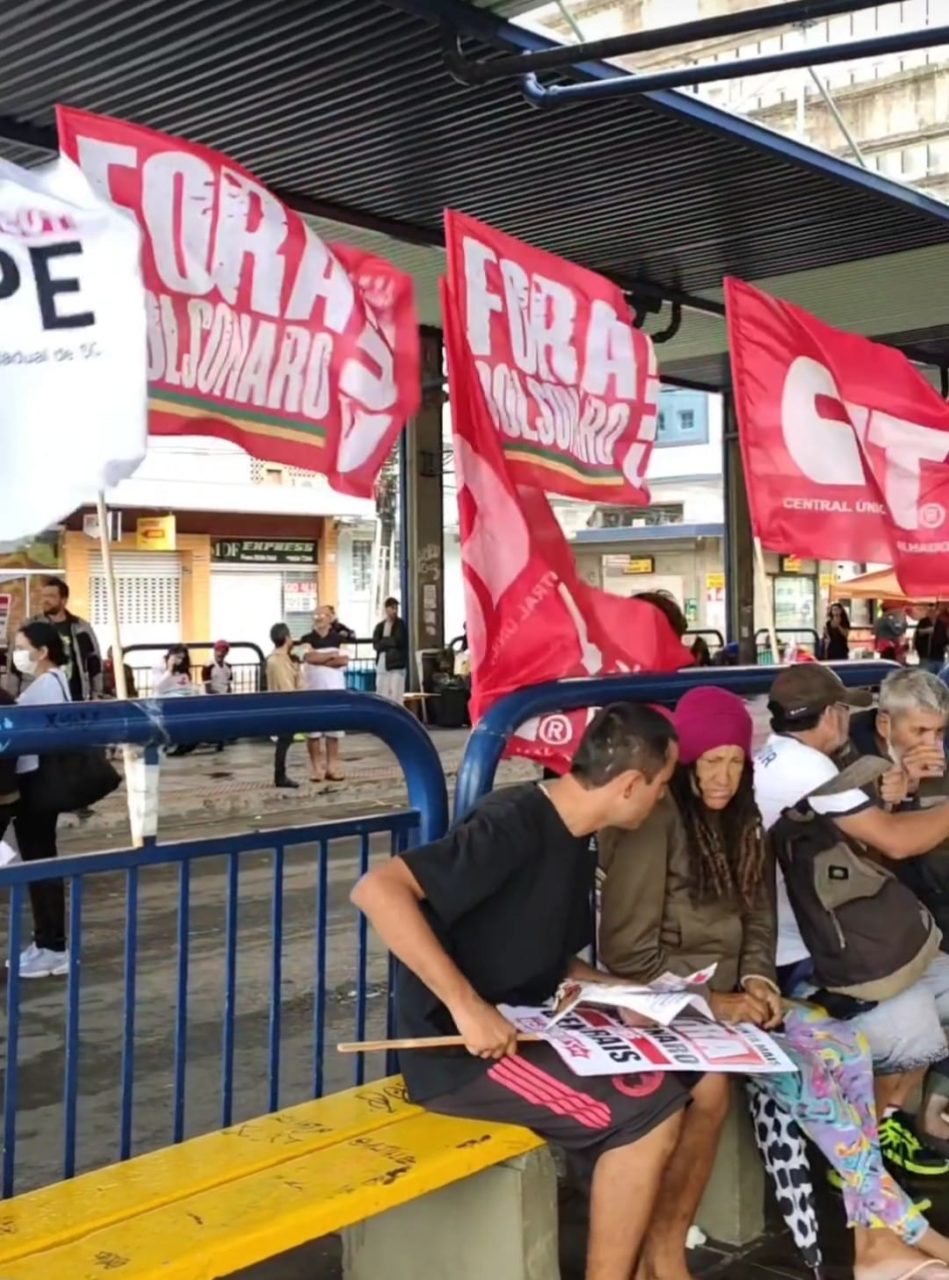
<point>423,1042</point>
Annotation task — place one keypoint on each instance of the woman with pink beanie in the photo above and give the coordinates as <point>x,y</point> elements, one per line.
<point>694,886</point>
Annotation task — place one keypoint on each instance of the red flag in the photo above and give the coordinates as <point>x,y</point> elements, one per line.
<point>570,386</point>
<point>258,332</point>
<point>844,443</point>
<point>531,617</point>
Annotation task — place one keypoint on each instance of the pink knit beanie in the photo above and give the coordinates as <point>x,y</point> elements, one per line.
<point>707,718</point>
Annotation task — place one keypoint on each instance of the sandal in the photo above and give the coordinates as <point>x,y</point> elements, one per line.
<point>336,777</point>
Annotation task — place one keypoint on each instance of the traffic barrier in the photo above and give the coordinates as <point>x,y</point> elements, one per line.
<point>792,635</point>
<point>304,868</point>
<point>489,739</point>
<point>250,675</point>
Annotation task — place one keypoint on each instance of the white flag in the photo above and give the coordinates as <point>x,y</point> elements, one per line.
<point>73,375</point>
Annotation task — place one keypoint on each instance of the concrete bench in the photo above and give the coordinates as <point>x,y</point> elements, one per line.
<point>365,1162</point>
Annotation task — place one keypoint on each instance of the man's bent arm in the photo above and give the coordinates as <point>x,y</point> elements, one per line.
<point>897,835</point>
<point>389,896</point>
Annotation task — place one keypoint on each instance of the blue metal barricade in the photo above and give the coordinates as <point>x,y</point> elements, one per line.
<point>208,979</point>
<point>488,741</point>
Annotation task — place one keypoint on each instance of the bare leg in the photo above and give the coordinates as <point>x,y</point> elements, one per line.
<point>625,1183</point>
<point>880,1255</point>
<point>685,1179</point>
<point>934,1245</point>
<point>314,751</point>
<point>893,1091</point>
<point>333,767</point>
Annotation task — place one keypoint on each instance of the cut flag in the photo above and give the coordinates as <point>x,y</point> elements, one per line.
<point>530,616</point>
<point>72,346</point>
<point>258,332</point>
<point>844,443</point>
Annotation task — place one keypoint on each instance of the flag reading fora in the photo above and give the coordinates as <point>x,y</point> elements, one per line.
<point>845,444</point>
<point>570,385</point>
<point>530,615</point>
<point>72,346</point>
<point>258,331</point>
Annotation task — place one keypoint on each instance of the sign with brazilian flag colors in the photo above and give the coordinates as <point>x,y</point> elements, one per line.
<point>570,386</point>
<point>258,331</point>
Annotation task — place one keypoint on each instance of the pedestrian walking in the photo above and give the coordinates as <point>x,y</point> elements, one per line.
<point>82,664</point>
<point>284,675</point>
<point>391,643</point>
<point>324,670</point>
<point>40,654</point>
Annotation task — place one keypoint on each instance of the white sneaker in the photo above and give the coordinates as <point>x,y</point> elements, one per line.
<point>37,962</point>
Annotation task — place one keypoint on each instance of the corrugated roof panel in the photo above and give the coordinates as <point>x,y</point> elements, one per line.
<point>347,107</point>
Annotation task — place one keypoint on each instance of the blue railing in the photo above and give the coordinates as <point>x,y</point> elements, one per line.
<point>194,1002</point>
<point>488,741</point>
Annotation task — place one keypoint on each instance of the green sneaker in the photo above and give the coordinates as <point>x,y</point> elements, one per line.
<point>922,1203</point>
<point>902,1149</point>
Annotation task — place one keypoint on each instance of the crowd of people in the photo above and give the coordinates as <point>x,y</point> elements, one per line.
<point>812,873</point>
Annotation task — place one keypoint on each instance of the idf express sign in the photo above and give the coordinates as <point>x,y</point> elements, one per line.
<point>263,551</point>
<point>258,331</point>
<point>568,383</point>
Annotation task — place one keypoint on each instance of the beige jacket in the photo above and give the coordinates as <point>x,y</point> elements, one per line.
<point>649,923</point>
<point>283,674</point>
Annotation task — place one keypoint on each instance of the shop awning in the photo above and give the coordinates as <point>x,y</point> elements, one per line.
<point>879,585</point>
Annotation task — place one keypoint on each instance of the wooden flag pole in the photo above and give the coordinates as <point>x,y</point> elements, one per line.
<point>762,575</point>
<point>423,1042</point>
<point>129,755</point>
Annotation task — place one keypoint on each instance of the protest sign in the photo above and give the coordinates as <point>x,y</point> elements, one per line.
<point>660,1001</point>
<point>594,1043</point>
<point>72,346</point>
<point>845,443</point>
<point>258,331</point>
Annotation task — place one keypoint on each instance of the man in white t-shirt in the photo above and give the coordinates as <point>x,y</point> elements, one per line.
<point>810,710</point>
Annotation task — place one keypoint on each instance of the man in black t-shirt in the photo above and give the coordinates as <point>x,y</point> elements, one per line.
<point>495,913</point>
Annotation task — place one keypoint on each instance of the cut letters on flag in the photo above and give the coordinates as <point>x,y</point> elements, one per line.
<point>531,617</point>
<point>570,386</point>
<point>844,442</point>
<point>258,332</point>
<point>72,346</point>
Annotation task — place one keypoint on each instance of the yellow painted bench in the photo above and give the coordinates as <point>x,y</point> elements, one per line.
<point>219,1203</point>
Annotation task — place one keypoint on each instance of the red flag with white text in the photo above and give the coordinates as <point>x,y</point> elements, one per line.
<point>844,442</point>
<point>258,331</point>
<point>570,385</point>
<point>531,617</point>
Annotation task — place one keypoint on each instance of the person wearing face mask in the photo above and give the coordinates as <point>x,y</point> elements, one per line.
<point>694,887</point>
<point>39,654</point>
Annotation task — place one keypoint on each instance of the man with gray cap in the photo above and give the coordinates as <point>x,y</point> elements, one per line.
<point>903,1009</point>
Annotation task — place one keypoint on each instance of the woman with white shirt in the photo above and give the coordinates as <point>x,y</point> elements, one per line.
<point>39,653</point>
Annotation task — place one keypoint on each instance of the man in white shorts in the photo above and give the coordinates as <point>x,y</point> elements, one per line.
<point>324,669</point>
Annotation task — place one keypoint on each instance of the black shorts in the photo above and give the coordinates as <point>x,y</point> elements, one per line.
<point>584,1114</point>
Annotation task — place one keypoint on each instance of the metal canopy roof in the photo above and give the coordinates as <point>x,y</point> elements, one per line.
<point>346,108</point>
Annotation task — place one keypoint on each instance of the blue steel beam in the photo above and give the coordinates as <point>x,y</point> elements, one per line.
<point>487,742</point>
<point>167,721</point>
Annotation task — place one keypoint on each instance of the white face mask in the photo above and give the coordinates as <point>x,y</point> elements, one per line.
<point>24,661</point>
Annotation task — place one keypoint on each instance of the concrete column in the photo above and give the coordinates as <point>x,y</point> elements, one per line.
<point>732,1209</point>
<point>425,607</point>
<point>500,1224</point>
<point>739,544</point>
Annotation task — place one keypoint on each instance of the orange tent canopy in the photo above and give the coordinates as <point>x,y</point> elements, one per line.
<point>879,585</point>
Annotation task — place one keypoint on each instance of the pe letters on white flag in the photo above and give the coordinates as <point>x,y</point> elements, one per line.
<point>73,374</point>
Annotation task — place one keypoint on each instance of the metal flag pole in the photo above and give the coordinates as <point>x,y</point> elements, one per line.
<point>132,758</point>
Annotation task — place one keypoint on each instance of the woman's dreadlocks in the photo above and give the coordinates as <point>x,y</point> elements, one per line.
<point>727,848</point>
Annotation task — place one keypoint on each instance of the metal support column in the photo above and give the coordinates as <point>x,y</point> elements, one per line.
<point>739,544</point>
<point>423,575</point>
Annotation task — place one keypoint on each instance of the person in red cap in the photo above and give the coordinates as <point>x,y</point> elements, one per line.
<point>218,675</point>
<point>693,887</point>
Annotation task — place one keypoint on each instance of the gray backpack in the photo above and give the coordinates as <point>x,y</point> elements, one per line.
<point>869,936</point>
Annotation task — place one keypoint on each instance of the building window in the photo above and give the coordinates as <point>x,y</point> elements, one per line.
<point>362,565</point>
<point>683,418</point>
